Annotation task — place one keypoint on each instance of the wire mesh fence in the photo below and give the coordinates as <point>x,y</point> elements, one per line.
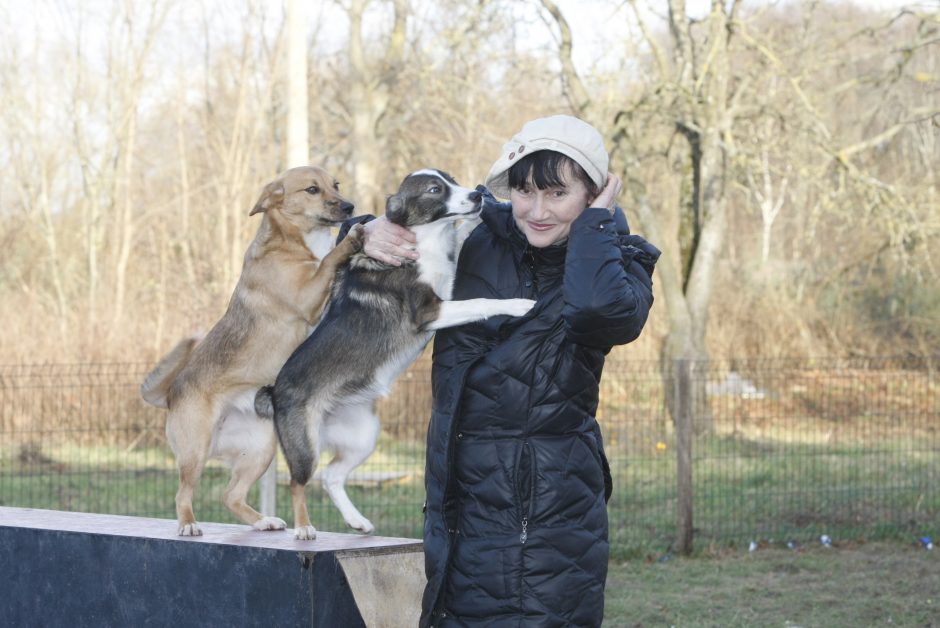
<point>778,450</point>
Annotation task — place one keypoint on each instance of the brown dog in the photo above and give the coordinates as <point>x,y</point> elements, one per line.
<point>209,384</point>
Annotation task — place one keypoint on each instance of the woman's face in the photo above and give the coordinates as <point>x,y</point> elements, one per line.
<point>545,216</point>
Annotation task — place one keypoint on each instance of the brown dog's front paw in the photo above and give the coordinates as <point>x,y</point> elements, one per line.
<point>356,237</point>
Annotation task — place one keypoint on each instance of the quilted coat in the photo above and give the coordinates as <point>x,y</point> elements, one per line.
<point>515,529</point>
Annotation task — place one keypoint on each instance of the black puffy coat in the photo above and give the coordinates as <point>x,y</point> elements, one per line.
<point>515,530</point>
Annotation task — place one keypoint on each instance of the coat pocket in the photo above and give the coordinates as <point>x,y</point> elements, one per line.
<point>603,467</point>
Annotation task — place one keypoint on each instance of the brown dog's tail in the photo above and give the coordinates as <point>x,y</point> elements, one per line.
<point>156,385</point>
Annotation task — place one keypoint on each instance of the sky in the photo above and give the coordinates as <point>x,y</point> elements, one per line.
<point>597,25</point>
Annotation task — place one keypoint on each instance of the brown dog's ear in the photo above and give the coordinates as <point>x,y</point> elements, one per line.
<point>394,210</point>
<point>273,193</point>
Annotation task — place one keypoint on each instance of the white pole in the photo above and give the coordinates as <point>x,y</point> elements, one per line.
<point>298,154</point>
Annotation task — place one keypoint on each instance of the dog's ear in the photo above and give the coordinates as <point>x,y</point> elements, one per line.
<point>394,209</point>
<point>272,194</point>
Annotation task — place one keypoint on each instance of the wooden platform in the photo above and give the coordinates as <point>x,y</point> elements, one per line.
<point>79,569</point>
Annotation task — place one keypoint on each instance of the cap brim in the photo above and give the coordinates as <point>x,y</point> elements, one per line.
<point>498,179</point>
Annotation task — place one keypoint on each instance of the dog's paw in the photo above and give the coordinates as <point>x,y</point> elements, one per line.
<point>305,533</point>
<point>361,524</point>
<point>518,307</point>
<point>190,529</point>
<point>269,523</point>
<point>356,237</point>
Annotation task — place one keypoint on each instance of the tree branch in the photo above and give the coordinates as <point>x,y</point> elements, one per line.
<point>577,95</point>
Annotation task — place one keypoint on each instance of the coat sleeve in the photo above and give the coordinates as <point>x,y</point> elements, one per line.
<point>349,223</point>
<point>608,288</point>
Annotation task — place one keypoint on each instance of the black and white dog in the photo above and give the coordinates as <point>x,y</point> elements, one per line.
<point>379,319</point>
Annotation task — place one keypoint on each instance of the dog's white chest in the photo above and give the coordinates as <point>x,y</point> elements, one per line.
<point>437,261</point>
<point>441,282</point>
<point>319,241</point>
<point>387,373</point>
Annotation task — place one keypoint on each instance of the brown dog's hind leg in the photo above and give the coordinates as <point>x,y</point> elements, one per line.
<point>189,432</point>
<point>244,476</point>
<point>185,519</point>
<point>247,445</point>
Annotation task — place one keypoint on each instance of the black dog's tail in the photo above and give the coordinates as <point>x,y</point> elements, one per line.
<point>264,402</point>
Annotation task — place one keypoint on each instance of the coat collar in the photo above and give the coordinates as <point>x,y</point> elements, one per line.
<point>498,217</point>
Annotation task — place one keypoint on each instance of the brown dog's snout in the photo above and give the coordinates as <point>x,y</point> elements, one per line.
<point>347,208</point>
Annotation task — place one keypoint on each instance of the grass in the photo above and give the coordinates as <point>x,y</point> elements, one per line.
<point>745,490</point>
<point>849,453</point>
<point>143,482</point>
<point>849,585</point>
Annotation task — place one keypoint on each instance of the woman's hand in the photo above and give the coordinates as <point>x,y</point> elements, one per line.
<point>608,196</point>
<point>388,242</point>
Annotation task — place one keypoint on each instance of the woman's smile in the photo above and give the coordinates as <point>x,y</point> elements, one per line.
<point>540,226</point>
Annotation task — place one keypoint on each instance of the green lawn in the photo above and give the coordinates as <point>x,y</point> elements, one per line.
<point>776,489</point>
<point>143,482</point>
<point>850,585</point>
<point>744,491</point>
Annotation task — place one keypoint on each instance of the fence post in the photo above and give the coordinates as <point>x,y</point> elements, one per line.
<point>268,490</point>
<point>682,391</point>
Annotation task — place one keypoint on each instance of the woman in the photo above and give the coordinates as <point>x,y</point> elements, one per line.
<point>517,481</point>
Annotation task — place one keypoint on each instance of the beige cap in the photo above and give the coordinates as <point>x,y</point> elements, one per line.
<point>567,135</point>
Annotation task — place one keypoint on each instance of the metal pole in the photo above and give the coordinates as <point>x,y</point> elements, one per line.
<point>683,404</point>
<point>268,487</point>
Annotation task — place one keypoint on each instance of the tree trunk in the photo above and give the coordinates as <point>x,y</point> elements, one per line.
<point>298,142</point>
<point>126,225</point>
<point>369,100</point>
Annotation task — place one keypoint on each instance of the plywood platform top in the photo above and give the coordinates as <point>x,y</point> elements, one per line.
<point>212,533</point>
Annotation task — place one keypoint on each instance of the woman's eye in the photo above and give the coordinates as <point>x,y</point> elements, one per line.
<point>559,193</point>
<point>312,190</point>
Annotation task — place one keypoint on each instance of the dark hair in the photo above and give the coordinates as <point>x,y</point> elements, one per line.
<point>546,169</point>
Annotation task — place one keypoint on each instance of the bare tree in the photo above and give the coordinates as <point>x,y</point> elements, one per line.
<point>700,105</point>
<point>704,110</point>
<point>371,90</point>
<point>769,192</point>
<point>785,156</point>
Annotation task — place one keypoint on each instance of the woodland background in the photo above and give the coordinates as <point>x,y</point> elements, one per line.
<point>784,155</point>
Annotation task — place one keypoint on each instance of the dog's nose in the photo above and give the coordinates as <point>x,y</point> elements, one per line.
<point>347,208</point>
<point>475,196</point>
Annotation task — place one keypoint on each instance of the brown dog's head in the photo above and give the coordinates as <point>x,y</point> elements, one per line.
<point>308,197</point>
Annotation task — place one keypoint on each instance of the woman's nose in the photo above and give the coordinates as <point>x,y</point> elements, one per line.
<point>538,206</point>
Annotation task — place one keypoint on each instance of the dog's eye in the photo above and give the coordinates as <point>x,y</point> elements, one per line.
<point>336,185</point>
<point>312,190</point>
<point>434,189</point>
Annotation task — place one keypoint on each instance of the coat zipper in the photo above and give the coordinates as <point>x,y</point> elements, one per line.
<point>526,504</point>
<point>525,500</point>
<point>530,260</point>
